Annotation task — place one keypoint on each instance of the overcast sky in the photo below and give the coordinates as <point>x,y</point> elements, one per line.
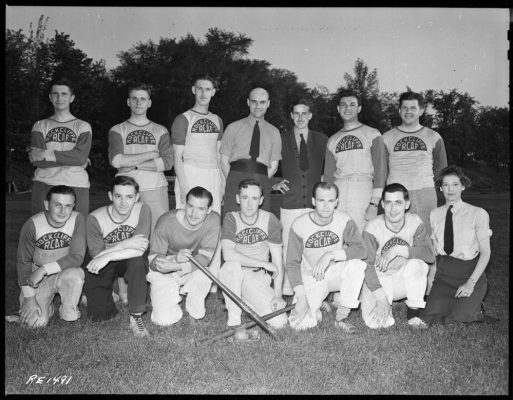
<point>424,48</point>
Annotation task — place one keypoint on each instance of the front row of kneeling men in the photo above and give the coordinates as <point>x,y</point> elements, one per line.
<point>326,253</point>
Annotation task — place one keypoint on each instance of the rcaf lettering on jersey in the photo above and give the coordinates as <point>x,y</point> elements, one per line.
<point>251,236</point>
<point>61,134</point>
<point>204,125</point>
<point>140,137</point>
<point>348,142</point>
<point>119,234</point>
<point>53,241</point>
<point>395,241</point>
<point>322,239</point>
<point>410,143</point>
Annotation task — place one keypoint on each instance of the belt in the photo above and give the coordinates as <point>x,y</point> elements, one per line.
<point>248,165</point>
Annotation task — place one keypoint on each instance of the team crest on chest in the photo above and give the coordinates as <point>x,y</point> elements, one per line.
<point>348,142</point>
<point>61,134</point>
<point>322,239</point>
<point>204,125</point>
<point>53,241</point>
<point>140,137</point>
<point>251,236</point>
<point>119,234</point>
<point>395,241</point>
<point>410,143</point>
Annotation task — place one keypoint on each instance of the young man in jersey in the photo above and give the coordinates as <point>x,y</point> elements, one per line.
<point>50,251</point>
<point>178,235</point>
<point>415,155</point>
<point>117,238</point>
<point>324,255</point>
<point>248,237</point>
<point>398,247</point>
<point>356,162</point>
<point>60,148</point>
<point>302,157</point>
<point>196,138</point>
<point>250,148</point>
<point>142,149</point>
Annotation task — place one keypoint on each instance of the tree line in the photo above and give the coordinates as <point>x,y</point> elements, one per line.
<point>472,133</point>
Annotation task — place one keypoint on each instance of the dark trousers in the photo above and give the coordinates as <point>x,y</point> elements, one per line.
<point>232,189</point>
<point>98,287</point>
<point>441,305</point>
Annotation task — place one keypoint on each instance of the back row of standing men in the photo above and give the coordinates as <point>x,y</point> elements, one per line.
<point>357,159</point>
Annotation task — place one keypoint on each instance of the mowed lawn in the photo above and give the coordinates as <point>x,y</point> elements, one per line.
<point>106,358</point>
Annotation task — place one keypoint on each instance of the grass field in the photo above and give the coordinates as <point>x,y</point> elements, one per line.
<point>459,359</point>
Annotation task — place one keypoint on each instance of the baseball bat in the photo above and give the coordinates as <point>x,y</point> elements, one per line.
<point>230,331</point>
<point>254,316</point>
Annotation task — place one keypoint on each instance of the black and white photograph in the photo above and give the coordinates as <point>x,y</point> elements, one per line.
<point>257,200</point>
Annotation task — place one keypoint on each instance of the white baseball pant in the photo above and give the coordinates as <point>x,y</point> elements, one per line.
<point>354,196</point>
<point>408,282</point>
<point>68,283</point>
<point>165,290</point>
<point>344,276</point>
<point>254,288</point>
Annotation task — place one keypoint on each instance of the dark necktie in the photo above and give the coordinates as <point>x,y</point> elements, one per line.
<point>448,232</point>
<point>254,149</point>
<point>303,154</point>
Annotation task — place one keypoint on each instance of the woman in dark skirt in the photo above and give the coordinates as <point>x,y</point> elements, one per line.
<point>462,245</point>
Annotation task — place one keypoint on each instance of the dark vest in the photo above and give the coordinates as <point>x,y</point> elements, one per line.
<point>301,182</point>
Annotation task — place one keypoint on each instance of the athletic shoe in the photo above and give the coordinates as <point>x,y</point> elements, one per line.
<point>137,326</point>
<point>417,323</point>
<point>347,327</point>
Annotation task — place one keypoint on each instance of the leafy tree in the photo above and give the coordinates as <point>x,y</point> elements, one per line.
<point>492,139</point>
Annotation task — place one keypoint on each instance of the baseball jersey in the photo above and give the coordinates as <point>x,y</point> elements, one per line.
<point>67,146</point>
<point>379,239</point>
<point>170,236</point>
<point>127,138</point>
<point>103,232</point>
<point>357,151</point>
<point>199,133</point>
<point>309,241</point>
<point>45,245</point>
<point>252,240</point>
<point>414,157</point>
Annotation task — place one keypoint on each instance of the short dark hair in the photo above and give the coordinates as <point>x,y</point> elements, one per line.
<point>60,189</point>
<point>412,96</point>
<point>62,82</point>
<point>200,193</point>
<point>123,180</point>
<point>324,186</point>
<point>139,86</point>
<point>395,187</point>
<point>303,101</point>
<point>204,77</point>
<point>349,93</point>
<point>453,170</point>
<point>250,182</point>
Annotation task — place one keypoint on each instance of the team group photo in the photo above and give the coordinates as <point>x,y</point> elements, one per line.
<point>222,228</point>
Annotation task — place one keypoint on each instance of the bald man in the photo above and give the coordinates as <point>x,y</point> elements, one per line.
<point>250,148</point>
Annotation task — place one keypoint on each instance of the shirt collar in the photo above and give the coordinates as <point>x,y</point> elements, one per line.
<point>456,206</point>
<point>252,120</point>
